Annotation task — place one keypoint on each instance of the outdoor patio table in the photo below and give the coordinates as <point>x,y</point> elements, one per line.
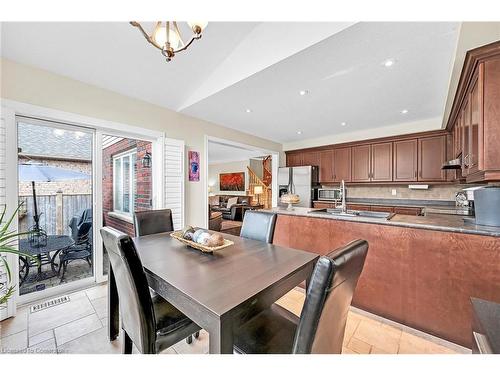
<point>55,244</point>
<point>220,290</point>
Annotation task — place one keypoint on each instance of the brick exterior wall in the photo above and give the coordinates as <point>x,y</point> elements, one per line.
<point>144,191</point>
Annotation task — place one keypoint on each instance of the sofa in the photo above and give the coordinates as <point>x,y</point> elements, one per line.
<point>235,212</point>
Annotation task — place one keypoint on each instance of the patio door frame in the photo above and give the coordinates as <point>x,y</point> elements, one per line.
<point>98,127</point>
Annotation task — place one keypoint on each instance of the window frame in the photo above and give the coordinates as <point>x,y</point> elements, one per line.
<point>132,178</point>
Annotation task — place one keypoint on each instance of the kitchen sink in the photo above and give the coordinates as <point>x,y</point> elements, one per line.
<point>354,213</point>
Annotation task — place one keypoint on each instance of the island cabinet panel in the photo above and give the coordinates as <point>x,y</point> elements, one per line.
<point>342,164</point>
<point>294,160</point>
<point>421,278</point>
<point>361,163</point>
<point>326,166</point>
<point>381,162</point>
<point>431,157</point>
<point>405,160</point>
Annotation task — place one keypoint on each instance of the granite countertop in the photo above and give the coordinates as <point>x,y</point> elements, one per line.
<point>439,222</point>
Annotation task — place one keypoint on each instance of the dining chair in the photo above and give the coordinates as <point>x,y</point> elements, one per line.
<point>258,225</point>
<point>151,323</point>
<point>153,221</point>
<point>321,326</point>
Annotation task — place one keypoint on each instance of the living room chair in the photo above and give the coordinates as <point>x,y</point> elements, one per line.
<point>321,326</point>
<point>258,225</point>
<point>153,221</point>
<point>151,323</point>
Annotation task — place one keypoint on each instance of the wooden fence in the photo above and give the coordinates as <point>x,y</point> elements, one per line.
<point>56,211</point>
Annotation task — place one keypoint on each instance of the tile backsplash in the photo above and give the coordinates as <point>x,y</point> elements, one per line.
<point>434,192</point>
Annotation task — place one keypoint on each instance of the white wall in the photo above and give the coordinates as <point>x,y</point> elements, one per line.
<point>215,169</point>
<point>39,87</point>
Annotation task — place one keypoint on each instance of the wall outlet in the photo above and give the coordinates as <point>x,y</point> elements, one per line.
<point>394,192</point>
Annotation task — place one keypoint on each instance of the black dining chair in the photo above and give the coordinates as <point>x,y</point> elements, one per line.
<point>258,225</point>
<point>321,326</point>
<point>153,221</point>
<point>151,323</point>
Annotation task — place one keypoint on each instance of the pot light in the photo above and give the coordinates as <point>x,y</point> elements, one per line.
<point>248,110</point>
<point>343,123</point>
<point>389,62</point>
<point>404,111</point>
<point>303,92</point>
<point>299,132</point>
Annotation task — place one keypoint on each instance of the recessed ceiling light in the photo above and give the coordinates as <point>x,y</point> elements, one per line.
<point>343,123</point>
<point>299,132</point>
<point>303,92</point>
<point>404,111</point>
<point>389,62</point>
<point>248,110</point>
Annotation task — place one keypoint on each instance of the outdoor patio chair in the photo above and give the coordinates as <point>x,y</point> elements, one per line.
<point>81,232</point>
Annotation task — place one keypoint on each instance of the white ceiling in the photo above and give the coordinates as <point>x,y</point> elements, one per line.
<point>261,66</point>
<point>219,153</point>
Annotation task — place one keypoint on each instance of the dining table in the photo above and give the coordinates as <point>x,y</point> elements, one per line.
<point>218,291</point>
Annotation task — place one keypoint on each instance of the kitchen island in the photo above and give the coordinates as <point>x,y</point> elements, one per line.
<point>420,270</point>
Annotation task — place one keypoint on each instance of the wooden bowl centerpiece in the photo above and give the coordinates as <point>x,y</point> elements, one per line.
<point>201,239</point>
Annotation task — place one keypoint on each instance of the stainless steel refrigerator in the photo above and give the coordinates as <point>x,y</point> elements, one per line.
<point>305,180</point>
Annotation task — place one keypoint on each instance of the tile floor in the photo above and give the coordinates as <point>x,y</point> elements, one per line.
<point>79,326</point>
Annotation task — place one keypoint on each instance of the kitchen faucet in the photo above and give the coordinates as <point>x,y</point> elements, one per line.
<point>343,206</point>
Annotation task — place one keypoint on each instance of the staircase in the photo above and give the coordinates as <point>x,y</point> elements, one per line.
<point>253,180</point>
<point>267,175</point>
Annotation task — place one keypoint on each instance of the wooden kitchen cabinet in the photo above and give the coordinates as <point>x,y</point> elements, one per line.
<point>358,207</point>
<point>381,162</point>
<point>342,164</point>
<point>311,158</point>
<point>412,211</point>
<point>323,205</point>
<point>326,160</point>
<point>294,160</point>
<point>431,157</point>
<point>476,122</point>
<point>361,163</point>
<point>405,160</point>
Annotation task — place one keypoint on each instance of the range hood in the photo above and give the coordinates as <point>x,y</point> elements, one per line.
<point>453,164</point>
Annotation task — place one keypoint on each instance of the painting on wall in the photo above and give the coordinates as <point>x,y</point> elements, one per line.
<point>194,166</point>
<point>232,181</point>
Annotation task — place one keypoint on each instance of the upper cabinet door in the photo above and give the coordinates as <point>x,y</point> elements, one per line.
<point>431,157</point>
<point>326,166</point>
<point>342,164</point>
<point>405,160</point>
<point>311,158</point>
<point>361,163</point>
<point>476,126</point>
<point>294,160</point>
<point>381,162</point>
<point>466,121</point>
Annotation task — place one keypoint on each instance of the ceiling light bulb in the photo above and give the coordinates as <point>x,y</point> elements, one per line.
<point>248,110</point>
<point>299,132</point>
<point>160,37</point>
<point>343,123</point>
<point>404,111</point>
<point>303,92</point>
<point>197,26</point>
<point>388,63</point>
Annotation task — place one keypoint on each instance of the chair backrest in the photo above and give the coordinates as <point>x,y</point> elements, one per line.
<point>258,225</point>
<point>322,322</point>
<point>153,221</point>
<point>136,308</point>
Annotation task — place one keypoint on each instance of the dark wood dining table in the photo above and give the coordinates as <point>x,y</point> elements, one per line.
<point>219,290</point>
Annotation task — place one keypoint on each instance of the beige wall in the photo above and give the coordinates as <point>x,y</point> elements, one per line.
<point>42,88</point>
<point>215,169</point>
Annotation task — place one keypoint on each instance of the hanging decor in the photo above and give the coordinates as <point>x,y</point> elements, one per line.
<point>194,166</point>
<point>167,37</point>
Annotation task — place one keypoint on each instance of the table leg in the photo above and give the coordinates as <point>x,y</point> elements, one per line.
<point>220,339</point>
<point>39,264</point>
<point>113,307</point>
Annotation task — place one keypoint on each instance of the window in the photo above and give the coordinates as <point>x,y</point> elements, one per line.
<point>124,182</point>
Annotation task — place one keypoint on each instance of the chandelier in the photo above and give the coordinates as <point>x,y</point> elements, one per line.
<point>167,37</point>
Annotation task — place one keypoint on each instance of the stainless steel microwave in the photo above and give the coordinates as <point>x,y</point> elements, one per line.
<point>329,194</point>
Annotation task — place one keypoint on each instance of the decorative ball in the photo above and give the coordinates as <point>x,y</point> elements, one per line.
<point>203,238</point>
<point>215,239</point>
<point>187,232</point>
<point>197,234</point>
